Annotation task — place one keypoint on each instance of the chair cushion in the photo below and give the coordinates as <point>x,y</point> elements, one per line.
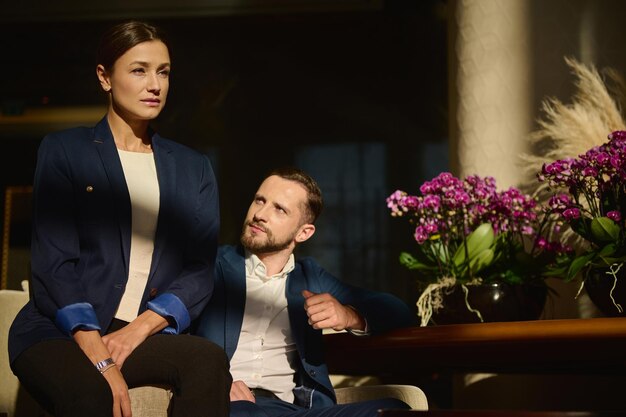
<point>150,401</point>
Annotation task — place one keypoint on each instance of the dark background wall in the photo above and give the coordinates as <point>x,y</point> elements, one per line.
<point>356,96</point>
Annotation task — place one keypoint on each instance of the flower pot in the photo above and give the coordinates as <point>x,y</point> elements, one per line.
<point>598,285</point>
<point>496,302</point>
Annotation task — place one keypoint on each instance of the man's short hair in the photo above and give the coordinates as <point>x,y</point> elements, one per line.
<point>314,202</point>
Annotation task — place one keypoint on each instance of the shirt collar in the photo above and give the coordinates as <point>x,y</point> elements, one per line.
<point>256,267</point>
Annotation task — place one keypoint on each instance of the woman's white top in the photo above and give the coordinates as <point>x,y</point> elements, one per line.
<point>143,187</point>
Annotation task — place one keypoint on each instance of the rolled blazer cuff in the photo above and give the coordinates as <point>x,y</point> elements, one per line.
<point>169,306</point>
<point>77,316</point>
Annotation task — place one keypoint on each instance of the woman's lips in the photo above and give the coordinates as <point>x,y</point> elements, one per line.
<point>153,102</point>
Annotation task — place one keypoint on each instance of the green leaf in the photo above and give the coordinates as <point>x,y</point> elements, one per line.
<point>560,266</point>
<point>608,250</point>
<point>439,250</point>
<point>605,261</point>
<point>513,277</point>
<point>578,264</point>
<point>411,262</point>
<point>604,229</point>
<point>481,260</point>
<point>480,239</point>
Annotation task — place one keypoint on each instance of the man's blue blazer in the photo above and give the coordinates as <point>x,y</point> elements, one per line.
<point>222,318</point>
<point>82,233</point>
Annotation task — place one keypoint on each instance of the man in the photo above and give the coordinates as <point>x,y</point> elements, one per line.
<point>268,310</point>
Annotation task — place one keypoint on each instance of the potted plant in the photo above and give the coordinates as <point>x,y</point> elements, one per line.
<point>566,130</point>
<point>589,194</point>
<point>469,234</point>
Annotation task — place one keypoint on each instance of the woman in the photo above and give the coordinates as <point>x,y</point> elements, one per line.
<point>125,231</point>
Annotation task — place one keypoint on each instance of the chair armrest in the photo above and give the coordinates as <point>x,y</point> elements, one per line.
<point>410,394</point>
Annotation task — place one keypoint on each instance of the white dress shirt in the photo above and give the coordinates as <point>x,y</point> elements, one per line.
<point>266,354</point>
<point>143,187</point>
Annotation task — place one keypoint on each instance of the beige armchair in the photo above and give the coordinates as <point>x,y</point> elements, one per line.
<point>149,401</point>
<point>16,402</point>
<point>10,303</point>
<point>153,401</point>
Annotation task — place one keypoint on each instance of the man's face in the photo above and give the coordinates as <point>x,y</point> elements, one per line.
<point>275,217</point>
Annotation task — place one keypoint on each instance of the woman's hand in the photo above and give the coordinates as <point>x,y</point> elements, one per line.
<point>119,389</point>
<point>121,343</point>
<point>118,346</point>
<point>94,348</point>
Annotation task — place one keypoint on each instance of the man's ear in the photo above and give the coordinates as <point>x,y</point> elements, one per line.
<point>105,81</point>
<point>305,232</point>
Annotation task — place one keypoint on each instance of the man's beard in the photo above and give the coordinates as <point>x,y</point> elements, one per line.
<point>269,245</point>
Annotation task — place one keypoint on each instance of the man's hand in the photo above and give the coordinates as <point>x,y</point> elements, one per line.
<point>122,342</point>
<point>325,312</point>
<point>239,391</point>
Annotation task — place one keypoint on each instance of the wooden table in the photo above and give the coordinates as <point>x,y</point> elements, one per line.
<point>494,413</point>
<point>542,346</point>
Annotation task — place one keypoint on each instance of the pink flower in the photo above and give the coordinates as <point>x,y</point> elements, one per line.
<point>601,158</point>
<point>420,235</point>
<point>614,215</point>
<point>571,213</point>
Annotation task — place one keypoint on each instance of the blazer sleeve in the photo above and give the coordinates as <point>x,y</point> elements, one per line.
<point>187,295</point>
<point>383,311</point>
<point>56,285</point>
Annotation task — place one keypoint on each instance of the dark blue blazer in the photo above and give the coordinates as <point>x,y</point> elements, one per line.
<point>82,232</point>
<point>222,318</point>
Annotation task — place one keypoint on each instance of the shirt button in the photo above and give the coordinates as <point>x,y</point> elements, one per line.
<point>312,372</point>
<point>256,376</point>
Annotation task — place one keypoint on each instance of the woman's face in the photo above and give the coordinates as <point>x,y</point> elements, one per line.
<point>139,81</point>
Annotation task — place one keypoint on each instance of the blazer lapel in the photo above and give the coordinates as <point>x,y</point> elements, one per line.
<point>105,145</point>
<point>296,283</point>
<point>308,340</point>
<point>166,174</point>
<point>234,273</point>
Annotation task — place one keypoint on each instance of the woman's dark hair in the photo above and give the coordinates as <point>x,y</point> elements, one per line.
<point>121,37</point>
